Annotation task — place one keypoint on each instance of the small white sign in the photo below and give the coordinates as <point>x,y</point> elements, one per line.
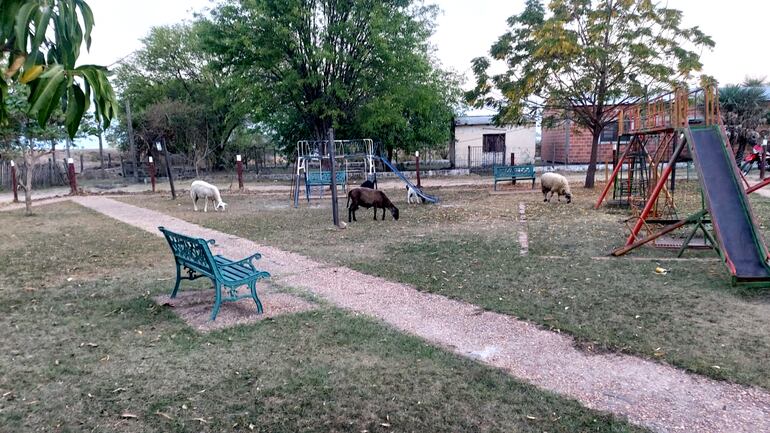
<point>158,146</point>
<point>13,164</point>
<point>417,154</point>
<point>238,158</point>
<point>150,160</point>
<point>70,161</point>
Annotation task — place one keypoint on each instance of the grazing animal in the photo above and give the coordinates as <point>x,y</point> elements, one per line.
<point>367,184</point>
<point>206,191</point>
<point>555,183</point>
<point>411,195</point>
<point>366,198</point>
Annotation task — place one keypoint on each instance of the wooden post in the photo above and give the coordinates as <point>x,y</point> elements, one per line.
<point>14,182</point>
<point>73,178</point>
<point>333,172</point>
<point>81,163</point>
<point>101,150</point>
<point>762,156</point>
<point>239,170</point>
<point>162,144</point>
<point>469,157</point>
<point>513,159</point>
<point>152,173</point>
<point>109,160</point>
<point>417,162</point>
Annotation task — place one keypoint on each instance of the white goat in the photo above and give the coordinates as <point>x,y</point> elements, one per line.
<point>206,191</point>
<point>411,194</point>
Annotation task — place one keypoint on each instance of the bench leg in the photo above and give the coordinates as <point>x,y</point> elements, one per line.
<point>178,280</point>
<point>218,302</point>
<point>253,288</point>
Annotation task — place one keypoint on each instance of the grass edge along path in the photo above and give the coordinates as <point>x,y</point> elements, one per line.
<point>653,395</point>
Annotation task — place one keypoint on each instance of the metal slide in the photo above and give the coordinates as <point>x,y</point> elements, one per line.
<point>426,197</point>
<point>742,246</point>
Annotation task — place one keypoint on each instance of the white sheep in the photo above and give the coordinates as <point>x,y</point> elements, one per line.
<point>555,183</point>
<point>206,191</point>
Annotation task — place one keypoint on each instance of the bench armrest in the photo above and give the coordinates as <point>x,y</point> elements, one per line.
<point>245,262</point>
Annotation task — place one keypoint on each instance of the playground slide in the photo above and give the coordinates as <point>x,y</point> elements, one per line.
<point>742,245</point>
<point>428,198</point>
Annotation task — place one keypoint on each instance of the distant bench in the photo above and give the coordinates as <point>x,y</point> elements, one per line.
<point>513,173</point>
<point>324,178</point>
<point>193,256</point>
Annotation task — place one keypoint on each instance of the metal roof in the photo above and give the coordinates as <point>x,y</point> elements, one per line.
<point>473,120</point>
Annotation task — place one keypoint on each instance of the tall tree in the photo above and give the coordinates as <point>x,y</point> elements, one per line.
<point>744,110</point>
<point>586,57</point>
<point>41,42</point>
<point>318,63</point>
<point>174,80</point>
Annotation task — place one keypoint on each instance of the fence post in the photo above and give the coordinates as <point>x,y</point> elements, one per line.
<point>417,161</point>
<point>469,157</point>
<point>152,173</point>
<point>513,159</point>
<point>239,170</point>
<point>14,182</point>
<point>109,160</point>
<point>763,155</point>
<point>81,163</point>
<point>333,173</point>
<point>73,179</point>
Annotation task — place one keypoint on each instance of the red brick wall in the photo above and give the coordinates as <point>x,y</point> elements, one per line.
<point>552,146</point>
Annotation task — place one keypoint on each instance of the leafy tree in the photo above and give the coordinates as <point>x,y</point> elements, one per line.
<point>350,64</point>
<point>41,42</point>
<point>178,91</point>
<point>744,110</point>
<point>588,58</point>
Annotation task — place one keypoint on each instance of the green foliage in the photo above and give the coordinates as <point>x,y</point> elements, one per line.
<point>180,91</point>
<point>362,66</point>
<point>41,41</point>
<point>744,111</point>
<point>587,57</point>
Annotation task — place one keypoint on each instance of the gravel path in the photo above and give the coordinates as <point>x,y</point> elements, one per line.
<point>647,393</point>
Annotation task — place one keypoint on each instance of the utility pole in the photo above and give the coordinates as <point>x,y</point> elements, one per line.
<point>131,144</point>
<point>333,172</point>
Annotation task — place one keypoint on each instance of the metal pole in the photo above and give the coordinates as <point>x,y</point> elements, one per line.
<point>513,159</point>
<point>81,162</point>
<point>763,155</point>
<point>239,169</point>
<point>132,145</point>
<point>14,182</point>
<point>152,174</point>
<point>168,168</point>
<point>73,179</point>
<point>335,214</point>
<point>417,159</point>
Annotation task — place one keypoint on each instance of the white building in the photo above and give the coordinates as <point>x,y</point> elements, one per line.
<point>478,140</point>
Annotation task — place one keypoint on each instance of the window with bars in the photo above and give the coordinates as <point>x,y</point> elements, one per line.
<point>493,143</point>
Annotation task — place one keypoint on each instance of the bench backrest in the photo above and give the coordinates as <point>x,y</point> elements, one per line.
<point>520,171</point>
<point>325,177</point>
<point>193,253</point>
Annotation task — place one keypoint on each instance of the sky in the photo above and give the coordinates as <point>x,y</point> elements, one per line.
<point>466,29</point>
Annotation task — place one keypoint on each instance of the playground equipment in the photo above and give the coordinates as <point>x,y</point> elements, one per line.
<point>353,158</point>
<point>690,122</point>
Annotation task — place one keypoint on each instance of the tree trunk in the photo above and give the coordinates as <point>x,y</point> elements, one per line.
<point>29,161</point>
<point>591,174</point>
<point>101,152</point>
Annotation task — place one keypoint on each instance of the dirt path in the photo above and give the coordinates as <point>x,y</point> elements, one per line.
<point>653,395</point>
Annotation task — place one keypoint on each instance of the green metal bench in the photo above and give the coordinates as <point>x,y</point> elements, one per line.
<point>324,178</point>
<point>513,173</point>
<point>193,256</point>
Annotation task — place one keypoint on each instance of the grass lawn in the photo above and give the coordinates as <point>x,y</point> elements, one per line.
<point>467,248</point>
<point>84,345</point>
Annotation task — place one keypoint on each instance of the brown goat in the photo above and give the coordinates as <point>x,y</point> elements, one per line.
<point>366,198</point>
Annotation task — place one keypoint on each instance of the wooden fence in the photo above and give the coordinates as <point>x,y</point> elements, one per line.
<point>44,174</point>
